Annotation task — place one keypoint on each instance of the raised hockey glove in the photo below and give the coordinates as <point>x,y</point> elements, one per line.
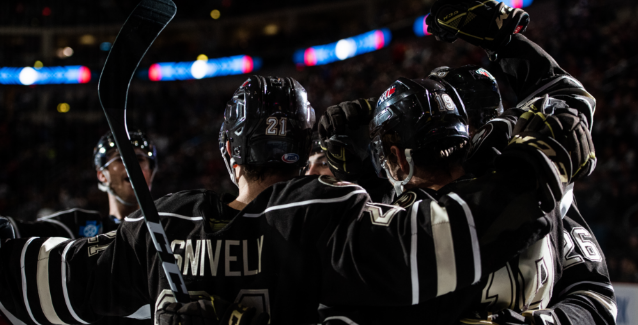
<point>210,311</point>
<point>488,24</point>
<point>6,230</point>
<point>344,137</point>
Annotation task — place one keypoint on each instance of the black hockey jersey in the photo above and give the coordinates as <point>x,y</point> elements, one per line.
<point>299,243</point>
<point>72,223</point>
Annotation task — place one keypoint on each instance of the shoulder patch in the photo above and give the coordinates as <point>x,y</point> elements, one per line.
<point>90,229</point>
<point>405,200</point>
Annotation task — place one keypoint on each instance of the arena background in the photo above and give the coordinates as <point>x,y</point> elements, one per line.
<point>47,131</point>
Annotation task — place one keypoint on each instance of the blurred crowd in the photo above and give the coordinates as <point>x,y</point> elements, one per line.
<point>46,164</point>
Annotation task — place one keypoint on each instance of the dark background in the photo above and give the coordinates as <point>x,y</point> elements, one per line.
<point>46,164</point>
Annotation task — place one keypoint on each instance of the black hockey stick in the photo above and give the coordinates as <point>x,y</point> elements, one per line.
<point>137,35</point>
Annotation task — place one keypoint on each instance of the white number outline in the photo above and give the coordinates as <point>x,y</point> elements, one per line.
<point>568,249</point>
<point>581,236</point>
<point>276,126</point>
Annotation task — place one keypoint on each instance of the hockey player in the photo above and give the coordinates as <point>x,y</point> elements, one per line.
<point>292,243</point>
<point>113,180</point>
<point>317,162</point>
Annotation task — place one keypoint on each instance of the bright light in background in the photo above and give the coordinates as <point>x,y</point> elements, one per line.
<point>38,64</point>
<point>421,27</point>
<point>167,71</point>
<point>87,39</point>
<point>63,108</point>
<point>343,49</point>
<point>65,52</point>
<point>215,14</point>
<point>45,75</point>
<point>202,57</point>
<point>28,76</point>
<point>271,29</point>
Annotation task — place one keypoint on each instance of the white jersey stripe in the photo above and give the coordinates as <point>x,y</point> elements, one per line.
<point>65,291</point>
<point>307,202</point>
<point>603,300</point>
<point>166,214</point>
<point>24,279</point>
<point>12,319</point>
<point>414,271</point>
<point>341,318</point>
<point>476,252</point>
<point>444,249</point>
<point>15,227</point>
<point>605,285</point>
<point>44,291</point>
<point>67,211</point>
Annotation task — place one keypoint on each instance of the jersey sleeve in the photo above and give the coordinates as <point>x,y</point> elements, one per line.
<point>584,294</point>
<point>393,255</point>
<point>532,72</point>
<point>64,281</point>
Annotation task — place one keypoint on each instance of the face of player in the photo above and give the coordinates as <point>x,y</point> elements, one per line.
<point>120,183</point>
<point>318,165</point>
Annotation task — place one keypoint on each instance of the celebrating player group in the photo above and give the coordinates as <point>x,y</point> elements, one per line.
<point>430,203</point>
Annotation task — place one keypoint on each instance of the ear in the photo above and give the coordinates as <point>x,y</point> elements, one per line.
<point>101,177</point>
<point>401,159</point>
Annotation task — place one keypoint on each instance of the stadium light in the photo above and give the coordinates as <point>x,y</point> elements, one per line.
<point>168,71</point>
<point>343,49</point>
<point>74,74</point>
<point>421,28</point>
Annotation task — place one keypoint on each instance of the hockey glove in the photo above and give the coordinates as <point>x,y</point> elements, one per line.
<point>344,137</point>
<point>6,230</point>
<point>488,24</point>
<point>211,311</point>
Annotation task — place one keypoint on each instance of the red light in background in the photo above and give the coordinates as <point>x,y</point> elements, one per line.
<point>379,39</point>
<point>155,72</point>
<point>309,57</point>
<point>248,64</point>
<point>517,3</point>
<point>46,11</point>
<point>85,75</point>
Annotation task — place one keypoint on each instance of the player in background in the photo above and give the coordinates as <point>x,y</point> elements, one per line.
<point>317,162</point>
<point>292,243</point>
<point>113,180</point>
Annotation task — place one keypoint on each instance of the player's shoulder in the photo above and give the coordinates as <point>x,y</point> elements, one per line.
<point>76,222</point>
<point>187,205</point>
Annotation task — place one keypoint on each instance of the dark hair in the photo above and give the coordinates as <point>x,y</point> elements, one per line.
<point>440,156</point>
<point>256,173</point>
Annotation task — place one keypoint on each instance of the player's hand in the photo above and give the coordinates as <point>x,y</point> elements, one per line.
<point>210,311</point>
<point>540,140</point>
<point>486,24</point>
<point>344,137</point>
<point>6,230</point>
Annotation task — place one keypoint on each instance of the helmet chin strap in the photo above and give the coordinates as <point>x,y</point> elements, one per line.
<point>106,187</point>
<point>398,185</point>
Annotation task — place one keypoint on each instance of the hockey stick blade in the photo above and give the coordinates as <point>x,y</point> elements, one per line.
<point>137,35</point>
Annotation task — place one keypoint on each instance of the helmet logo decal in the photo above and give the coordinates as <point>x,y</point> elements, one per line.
<point>290,158</point>
<point>387,94</point>
<point>485,73</point>
<point>449,104</point>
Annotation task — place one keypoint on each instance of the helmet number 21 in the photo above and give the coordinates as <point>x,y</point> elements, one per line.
<point>276,126</point>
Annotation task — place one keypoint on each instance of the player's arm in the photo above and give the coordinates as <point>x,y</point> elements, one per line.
<point>584,294</point>
<point>60,281</point>
<point>497,28</point>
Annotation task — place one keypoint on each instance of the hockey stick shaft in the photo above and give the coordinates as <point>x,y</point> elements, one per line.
<point>138,33</point>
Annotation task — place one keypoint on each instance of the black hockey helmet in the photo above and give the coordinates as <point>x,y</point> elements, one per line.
<point>267,122</point>
<point>478,90</point>
<point>425,114</point>
<point>107,143</point>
